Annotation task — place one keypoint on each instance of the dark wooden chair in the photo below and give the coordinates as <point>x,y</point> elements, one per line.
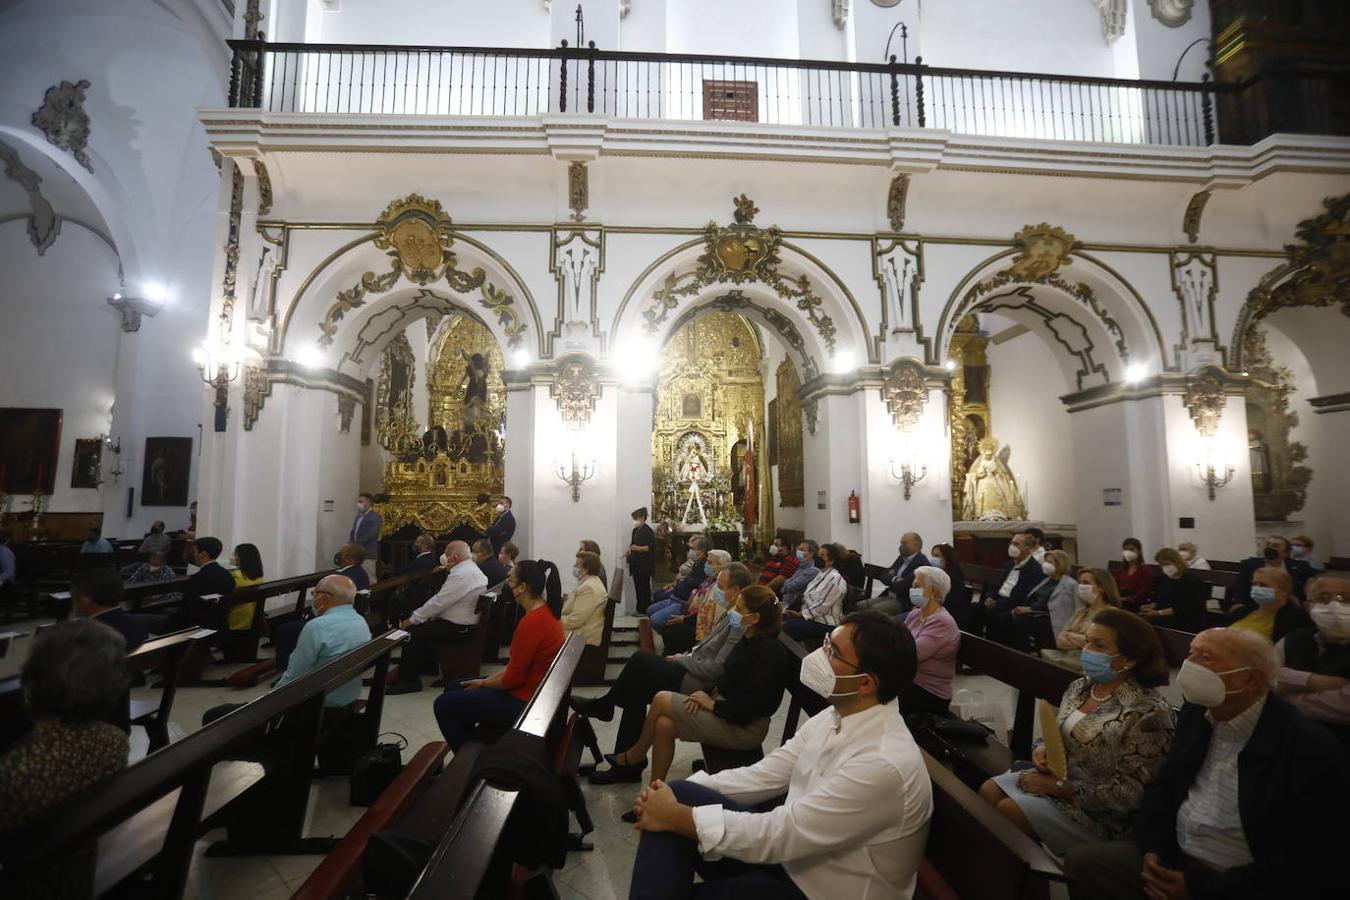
<point>464,659</point>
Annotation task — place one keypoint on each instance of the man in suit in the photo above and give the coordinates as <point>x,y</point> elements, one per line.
<point>1021,575</point>
<point>502,527</point>
<point>425,559</point>
<point>1250,801</point>
<point>210,578</point>
<point>491,566</point>
<point>899,578</point>
<point>385,610</point>
<point>97,594</point>
<point>351,559</point>
<point>366,532</point>
<point>1277,556</point>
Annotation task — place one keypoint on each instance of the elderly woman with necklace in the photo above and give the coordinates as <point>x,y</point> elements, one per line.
<point>1116,731</point>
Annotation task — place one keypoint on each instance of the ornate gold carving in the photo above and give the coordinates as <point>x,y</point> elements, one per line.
<point>1205,398</point>
<point>433,322</point>
<point>905,393</point>
<point>394,394</point>
<point>895,201</point>
<point>578,190</point>
<point>991,493</point>
<point>811,410</point>
<point>1190,223</point>
<point>230,278</point>
<point>970,415</point>
<point>504,306</point>
<point>257,388</point>
<point>1319,264</point>
<point>63,120</point>
<point>738,253</point>
<point>575,388</point>
<point>264,187</point>
<point>791,462</point>
<point>1043,249</point>
<point>1279,477</point>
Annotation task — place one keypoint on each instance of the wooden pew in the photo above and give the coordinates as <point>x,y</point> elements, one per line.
<point>1176,644</point>
<point>150,815</point>
<point>134,596</point>
<point>166,654</point>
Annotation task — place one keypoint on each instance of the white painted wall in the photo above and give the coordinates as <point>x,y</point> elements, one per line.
<point>458,23</point>
<point>1054,36</point>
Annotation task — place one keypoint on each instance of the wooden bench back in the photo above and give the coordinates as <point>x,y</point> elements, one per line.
<point>982,580</point>
<point>1176,644</point>
<point>1032,677</point>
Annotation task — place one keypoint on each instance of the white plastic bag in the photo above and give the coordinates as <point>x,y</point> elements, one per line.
<point>972,706</point>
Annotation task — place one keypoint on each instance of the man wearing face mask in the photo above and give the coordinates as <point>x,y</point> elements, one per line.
<point>899,578</point>
<point>674,601</point>
<point>855,819</point>
<point>1021,575</point>
<point>1249,803</point>
<point>1275,556</point>
<point>1315,662</point>
<point>366,532</point>
<point>450,615</point>
<point>807,570</point>
<point>641,558</point>
<point>502,527</point>
<point>779,566</point>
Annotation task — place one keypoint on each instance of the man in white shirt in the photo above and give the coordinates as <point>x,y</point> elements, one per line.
<point>450,615</point>
<point>859,799</point>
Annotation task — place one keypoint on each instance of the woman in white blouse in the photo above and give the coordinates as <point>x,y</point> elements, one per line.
<point>583,610</point>
<point>822,602</point>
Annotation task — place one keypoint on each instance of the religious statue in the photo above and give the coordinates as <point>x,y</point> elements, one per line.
<point>694,469</point>
<point>750,505</point>
<point>475,385</point>
<point>1259,452</point>
<point>991,493</point>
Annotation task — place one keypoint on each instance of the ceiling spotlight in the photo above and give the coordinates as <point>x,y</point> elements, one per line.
<point>1136,373</point>
<point>521,358</point>
<point>155,292</point>
<point>950,365</point>
<point>117,296</point>
<point>843,362</point>
<point>310,356</point>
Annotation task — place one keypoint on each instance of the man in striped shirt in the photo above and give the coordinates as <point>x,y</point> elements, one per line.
<point>1249,803</point>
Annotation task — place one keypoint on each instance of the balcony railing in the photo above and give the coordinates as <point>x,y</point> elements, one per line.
<point>478,81</point>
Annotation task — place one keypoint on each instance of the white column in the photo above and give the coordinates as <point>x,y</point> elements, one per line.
<point>633,470</point>
<point>520,451</point>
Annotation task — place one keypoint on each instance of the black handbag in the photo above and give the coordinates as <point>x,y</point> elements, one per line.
<point>375,769</point>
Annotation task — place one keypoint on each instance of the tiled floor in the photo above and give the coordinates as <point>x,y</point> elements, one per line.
<point>601,874</point>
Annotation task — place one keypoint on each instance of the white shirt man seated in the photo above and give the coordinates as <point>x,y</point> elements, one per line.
<point>859,799</point>
<point>450,615</point>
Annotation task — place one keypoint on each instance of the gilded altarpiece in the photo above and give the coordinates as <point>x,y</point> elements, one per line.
<point>449,473</point>
<point>791,468</point>
<point>970,420</point>
<point>709,414</point>
<point>1279,478</point>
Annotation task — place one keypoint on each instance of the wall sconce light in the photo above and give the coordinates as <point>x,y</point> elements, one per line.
<point>114,446</point>
<point>575,475</point>
<point>907,474</point>
<point>1213,470</point>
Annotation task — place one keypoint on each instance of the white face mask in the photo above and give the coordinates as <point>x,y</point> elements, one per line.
<point>1014,551</point>
<point>819,675</point>
<point>1170,571</point>
<point>445,560</point>
<point>1129,555</point>
<point>501,507</point>
<point>1048,569</point>
<point>1086,593</point>
<point>1332,621</point>
<point>1187,555</point>
<point>1297,550</point>
<point>1202,686</point>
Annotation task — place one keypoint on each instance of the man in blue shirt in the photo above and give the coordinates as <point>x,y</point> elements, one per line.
<point>807,570</point>
<point>96,543</point>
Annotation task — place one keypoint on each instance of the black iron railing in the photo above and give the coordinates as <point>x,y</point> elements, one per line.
<point>479,81</point>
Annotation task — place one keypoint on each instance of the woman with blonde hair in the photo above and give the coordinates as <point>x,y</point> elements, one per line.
<point>1096,591</point>
<point>1050,605</point>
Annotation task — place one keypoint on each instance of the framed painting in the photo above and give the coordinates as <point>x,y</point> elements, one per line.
<point>168,466</point>
<point>87,469</point>
<point>30,441</point>
<point>771,427</point>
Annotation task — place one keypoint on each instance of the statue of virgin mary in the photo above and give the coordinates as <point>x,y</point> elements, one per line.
<point>991,493</point>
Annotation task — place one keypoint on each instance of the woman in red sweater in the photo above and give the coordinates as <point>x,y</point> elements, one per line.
<point>1135,578</point>
<point>498,700</point>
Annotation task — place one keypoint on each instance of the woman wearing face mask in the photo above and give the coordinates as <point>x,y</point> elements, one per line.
<point>1135,578</point>
<point>1273,612</point>
<point>823,601</point>
<point>735,712</point>
<point>1192,557</point>
<point>957,604</point>
<point>681,632</point>
<point>1096,592</point>
<point>1179,597</point>
<point>1116,731</point>
<point>1315,662</point>
<point>1050,605</point>
<point>593,547</point>
<point>936,638</point>
<point>583,609</point>
<point>239,645</point>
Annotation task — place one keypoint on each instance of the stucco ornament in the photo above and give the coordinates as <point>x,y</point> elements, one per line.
<point>1205,399</point>
<point>904,392</point>
<point>575,388</point>
<point>43,222</point>
<point>1172,13</point>
<point>63,120</point>
<point>1042,249</point>
<point>1113,14</point>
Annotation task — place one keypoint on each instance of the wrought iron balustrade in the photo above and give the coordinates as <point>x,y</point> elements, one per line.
<point>484,81</point>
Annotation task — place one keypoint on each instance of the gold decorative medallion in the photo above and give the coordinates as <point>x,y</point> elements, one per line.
<point>1205,399</point>
<point>575,388</point>
<point>905,393</point>
<point>1043,249</point>
<point>740,252</point>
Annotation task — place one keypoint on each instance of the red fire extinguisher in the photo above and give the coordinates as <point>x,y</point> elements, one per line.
<point>854,508</point>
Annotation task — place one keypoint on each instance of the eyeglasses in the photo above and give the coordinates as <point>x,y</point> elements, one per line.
<point>832,652</point>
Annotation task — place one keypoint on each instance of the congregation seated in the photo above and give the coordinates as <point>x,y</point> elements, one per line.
<point>1135,577</point>
<point>734,713</point>
<point>450,615</point>
<point>97,594</point>
<point>1055,598</point>
<point>1272,610</point>
<point>1116,728</point>
<point>1096,592</point>
<point>494,570</point>
<point>95,544</point>
<point>583,609</point>
<point>1274,556</point>
<point>350,561</point>
<point>944,557</point>
<point>390,607</point>
<point>937,638</point>
<point>1179,597</point>
<point>73,679</point>
<point>681,630</point>
<point>586,546</point>
<point>1301,549</point>
<point>779,564</point>
<point>248,572</point>
<point>797,583</point>
<point>1315,662</point>
<point>899,578</point>
<point>693,574</point>
<point>822,601</point>
<point>424,558</point>
<point>1022,574</point>
<point>1191,554</point>
<point>156,568</point>
<point>210,578</point>
<point>496,701</point>
<point>156,541</point>
<point>859,799</point>
<point>646,674</point>
<point>1250,801</point>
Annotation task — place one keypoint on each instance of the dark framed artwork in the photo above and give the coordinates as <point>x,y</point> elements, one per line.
<point>87,469</point>
<point>168,466</point>
<point>691,406</point>
<point>772,428</point>
<point>30,444</point>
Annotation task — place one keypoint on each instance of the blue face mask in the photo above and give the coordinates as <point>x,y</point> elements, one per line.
<point>693,554</point>
<point>1264,596</point>
<point>720,596</point>
<point>917,598</point>
<point>1097,666</point>
<point>708,570</point>
<point>576,573</point>
<point>734,619</point>
<point>801,556</point>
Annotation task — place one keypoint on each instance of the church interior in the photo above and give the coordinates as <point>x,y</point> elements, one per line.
<point>666,449</point>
